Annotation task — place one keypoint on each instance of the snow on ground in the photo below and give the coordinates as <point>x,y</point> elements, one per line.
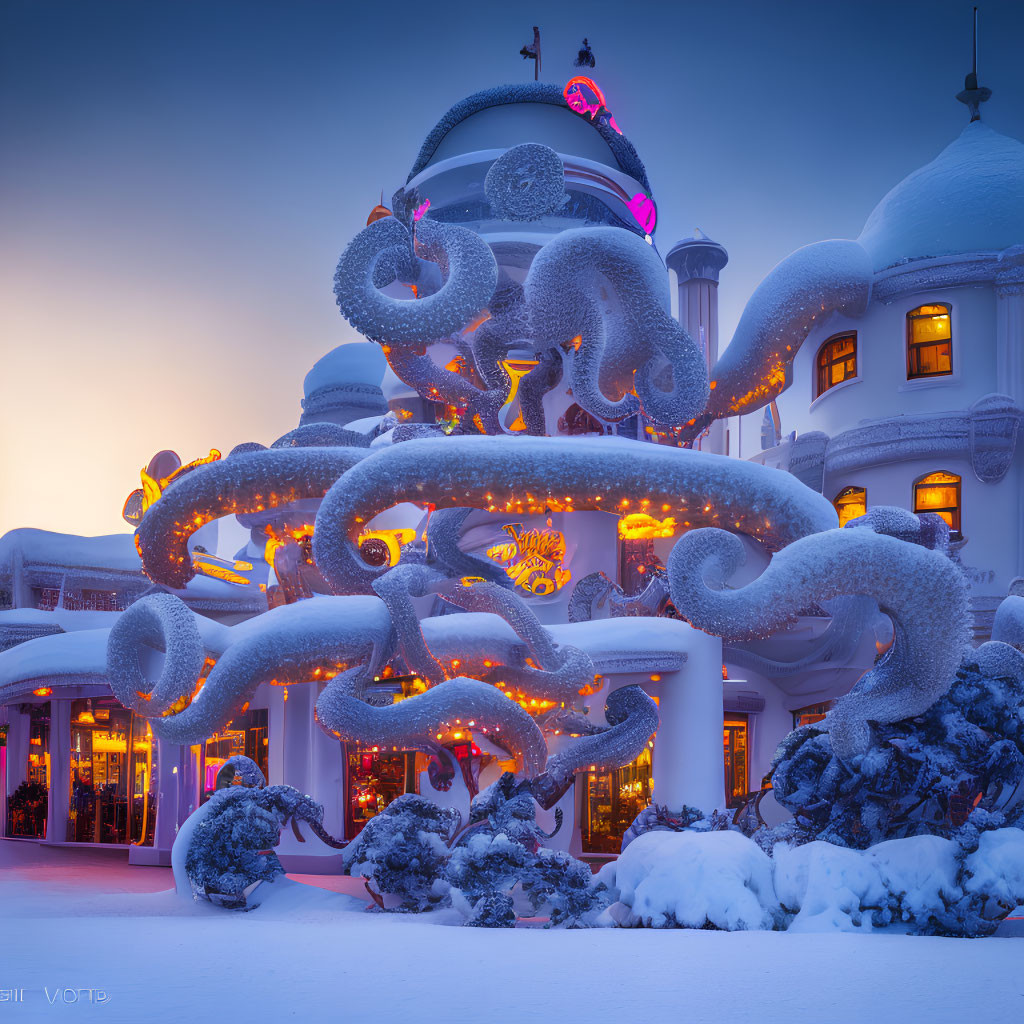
<point>84,919</point>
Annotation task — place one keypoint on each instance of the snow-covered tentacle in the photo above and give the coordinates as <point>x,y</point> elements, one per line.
<point>444,551</point>
<point>288,645</point>
<point>534,386</point>
<point>414,366</point>
<point>802,291</point>
<point>529,475</point>
<point>472,274</point>
<point>246,483</point>
<point>598,587</point>
<point>526,182</point>
<point>412,722</point>
<point>632,718</point>
<point>563,289</point>
<point>161,622</point>
<point>396,588</point>
<point>922,591</point>
<point>562,672</point>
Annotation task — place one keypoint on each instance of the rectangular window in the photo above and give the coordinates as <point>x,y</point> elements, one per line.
<point>929,342</point>
<point>737,781</point>
<point>611,801</point>
<point>375,779</point>
<point>837,361</point>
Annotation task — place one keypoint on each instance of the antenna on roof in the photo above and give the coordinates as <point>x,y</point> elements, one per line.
<point>532,52</point>
<point>972,96</point>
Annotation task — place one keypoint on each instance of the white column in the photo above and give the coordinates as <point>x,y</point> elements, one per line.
<point>298,720</point>
<point>58,797</point>
<point>688,760</point>
<point>328,781</point>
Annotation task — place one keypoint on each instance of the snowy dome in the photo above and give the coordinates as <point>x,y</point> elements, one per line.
<point>359,362</point>
<point>970,198</point>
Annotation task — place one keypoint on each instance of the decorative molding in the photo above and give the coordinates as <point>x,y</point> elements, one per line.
<point>986,433</point>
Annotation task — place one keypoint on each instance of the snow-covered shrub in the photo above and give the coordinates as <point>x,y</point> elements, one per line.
<point>231,846</point>
<point>656,818</point>
<point>404,852</point>
<point>565,889</point>
<point>495,910</point>
<point>487,864</point>
<point>718,880</point>
<point>922,774</point>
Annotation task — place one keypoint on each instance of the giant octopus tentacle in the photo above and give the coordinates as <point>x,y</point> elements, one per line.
<point>802,291</point>
<point>291,644</point>
<point>252,481</point>
<point>396,588</point>
<point>564,289</point>
<point>377,255</point>
<point>524,476</point>
<point>561,672</point>
<point>443,547</point>
<point>410,723</point>
<point>632,718</point>
<point>922,591</point>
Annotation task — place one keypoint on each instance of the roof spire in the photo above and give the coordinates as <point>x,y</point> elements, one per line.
<point>972,96</point>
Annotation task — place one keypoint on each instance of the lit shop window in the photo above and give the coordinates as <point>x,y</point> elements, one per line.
<point>245,734</point>
<point>940,493</point>
<point>737,781</point>
<point>27,805</point>
<point>837,361</point>
<point>113,775</point>
<point>850,503</point>
<point>375,778</point>
<point>929,341</point>
<point>612,800</point>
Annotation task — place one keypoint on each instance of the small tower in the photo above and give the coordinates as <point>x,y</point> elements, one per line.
<point>697,262</point>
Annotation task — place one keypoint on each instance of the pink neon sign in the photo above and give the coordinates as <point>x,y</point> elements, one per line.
<point>585,97</point>
<point>420,210</point>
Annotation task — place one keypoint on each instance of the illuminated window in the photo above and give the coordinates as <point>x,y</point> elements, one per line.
<point>837,361</point>
<point>929,341</point>
<point>850,503</point>
<point>737,784</point>
<point>811,714</point>
<point>611,801</point>
<point>940,493</point>
<point>375,779</point>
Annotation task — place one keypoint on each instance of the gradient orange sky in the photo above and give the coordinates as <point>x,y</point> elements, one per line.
<point>178,180</point>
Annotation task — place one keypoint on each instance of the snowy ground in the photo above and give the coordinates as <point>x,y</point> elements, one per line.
<point>83,919</point>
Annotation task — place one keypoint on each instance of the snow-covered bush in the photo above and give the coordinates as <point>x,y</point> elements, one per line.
<point>921,885</point>
<point>231,847</point>
<point>404,851</point>
<point>565,889</point>
<point>495,910</point>
<point>487,864</point>
<point>922,774</point>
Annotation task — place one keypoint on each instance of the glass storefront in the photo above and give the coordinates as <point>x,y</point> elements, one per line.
<point>26,806</point>
<point>113,775</point>
<point>737,781</point>
<point>373,780</point>
<point>244,734</point>
<point>611,801</point>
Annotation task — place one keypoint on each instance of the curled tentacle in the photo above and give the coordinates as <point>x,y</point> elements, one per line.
<point>562,671</point>
<point>529,475</point>
<point>922,591</point>
<point>443,545</point>
<point>802,291</point>
<point>411,722</point>
<point>246,483</point>
<point>377,255</point>
<point>414,366</point>
<point>158,621</point>
<point>396,588</point>
<point>632,718</point>
<point>564,288</point>
<point>599,587</point>
<point>292,644</point>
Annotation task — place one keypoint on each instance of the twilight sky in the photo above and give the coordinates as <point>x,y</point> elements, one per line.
<point>178,178</point>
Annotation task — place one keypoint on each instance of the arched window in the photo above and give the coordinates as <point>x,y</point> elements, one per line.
<point>850,503</point>
<point>940,493</point>
<point>929,341</point>
<point>837,361</point>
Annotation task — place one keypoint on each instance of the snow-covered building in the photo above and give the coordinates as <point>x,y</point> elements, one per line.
<point>465,559</point>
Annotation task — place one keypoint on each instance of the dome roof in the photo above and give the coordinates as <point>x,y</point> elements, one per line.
<point>970,198</point>
<point>358,362</point>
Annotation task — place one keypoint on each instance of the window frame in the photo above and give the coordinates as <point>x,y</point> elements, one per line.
<point>819,392</point>
<point>914,347</point>
<point>957,512</point>
<point>845,490</point>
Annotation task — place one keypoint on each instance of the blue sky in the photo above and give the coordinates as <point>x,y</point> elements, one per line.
<point>178,179</point>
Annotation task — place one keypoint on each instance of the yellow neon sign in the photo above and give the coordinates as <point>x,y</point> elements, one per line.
<point>533,559</point>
